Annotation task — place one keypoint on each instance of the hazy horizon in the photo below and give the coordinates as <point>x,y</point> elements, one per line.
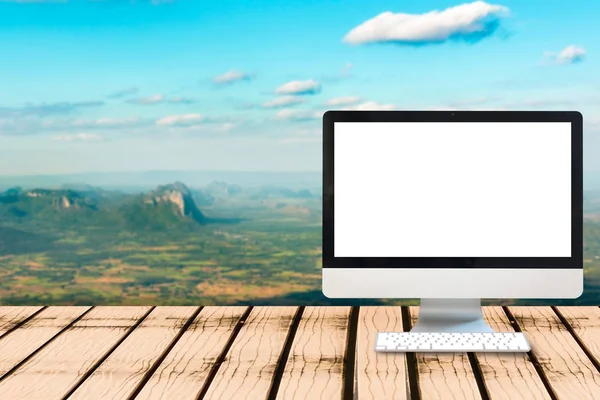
<point>167,170</point>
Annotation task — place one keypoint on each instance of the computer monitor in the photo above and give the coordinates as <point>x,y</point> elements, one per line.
<point>452,207</point>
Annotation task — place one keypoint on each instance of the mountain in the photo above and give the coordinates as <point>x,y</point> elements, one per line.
<point>64,199</point>
<point>16,202</point>
<point>178,198</point>
<point>202,197</point>
<point>267,192</point>
<point>166,207</point>
<point>220,189</point>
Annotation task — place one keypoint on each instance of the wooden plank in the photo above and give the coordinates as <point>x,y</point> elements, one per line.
<point>585,322</point>
<point>15,347</point>
<point>569,371</point>
<point>184,371</point>
<point>10,316</point>
<point>248,370</point>
<point>508,376</point>
<point>441,373</point>
<point>119,374</point>
<point>55,369</point>
<point>315,365</point>
<point>379,375</point>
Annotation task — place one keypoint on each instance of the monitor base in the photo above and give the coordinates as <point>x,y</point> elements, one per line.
<point>451,315</point>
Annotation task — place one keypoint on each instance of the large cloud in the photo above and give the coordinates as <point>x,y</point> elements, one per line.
<point>299,88</point>
<point>467,22</point>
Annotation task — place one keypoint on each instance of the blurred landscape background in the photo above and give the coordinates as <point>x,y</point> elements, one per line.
<point>169,151</point>
<point>208,242</point>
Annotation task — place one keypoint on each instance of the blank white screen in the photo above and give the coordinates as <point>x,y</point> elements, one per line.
<point>452,189</point>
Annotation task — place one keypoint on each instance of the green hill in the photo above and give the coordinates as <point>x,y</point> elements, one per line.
<point>167,207</point>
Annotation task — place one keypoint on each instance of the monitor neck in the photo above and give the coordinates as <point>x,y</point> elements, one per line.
<point>451,315</point>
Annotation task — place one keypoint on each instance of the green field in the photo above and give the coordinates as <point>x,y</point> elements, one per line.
<point>65,258</point>
<point>114,249</point>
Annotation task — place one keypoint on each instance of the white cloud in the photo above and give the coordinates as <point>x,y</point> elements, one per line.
<point>231,77</point>
<point>343,101</point>
<point>175,120</point>
<point>79,137</point>
<point>106,122</point>
<point>371,106</point>
<point>468,22</point>
<point>569,55</point>
<point>298,115</point>
<point>149,100</point>
<point>283,102</point>
<point>299,87</point>
<point>307,115</point>
<point>117,121</point>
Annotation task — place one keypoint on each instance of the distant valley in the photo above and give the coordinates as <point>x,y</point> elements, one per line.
<point>175,243</point>
<point>220,243</point>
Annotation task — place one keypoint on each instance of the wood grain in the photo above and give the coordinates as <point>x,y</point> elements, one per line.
<point>315,366</point>
<point>248,370</point>
<point>444,373</point>
<point>53,371</point>
<point>570,372</point>
<point>508,376</point>
<point>585,321</point>
<point>184,371</point>
<point>380,376</point>
<point>118,376</point>
<point>21,343</point>
<point>10,316</point>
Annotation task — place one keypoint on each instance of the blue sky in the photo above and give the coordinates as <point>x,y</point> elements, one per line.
<point>112,85</point>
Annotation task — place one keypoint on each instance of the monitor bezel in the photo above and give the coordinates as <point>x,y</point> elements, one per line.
<point>573,117</point>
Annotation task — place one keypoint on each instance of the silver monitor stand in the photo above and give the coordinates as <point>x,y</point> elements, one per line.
<point>451,315</point>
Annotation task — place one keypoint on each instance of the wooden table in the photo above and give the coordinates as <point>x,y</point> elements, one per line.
<point>247,353</point>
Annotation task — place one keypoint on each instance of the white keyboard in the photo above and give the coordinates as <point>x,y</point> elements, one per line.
<point>494,342</point>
